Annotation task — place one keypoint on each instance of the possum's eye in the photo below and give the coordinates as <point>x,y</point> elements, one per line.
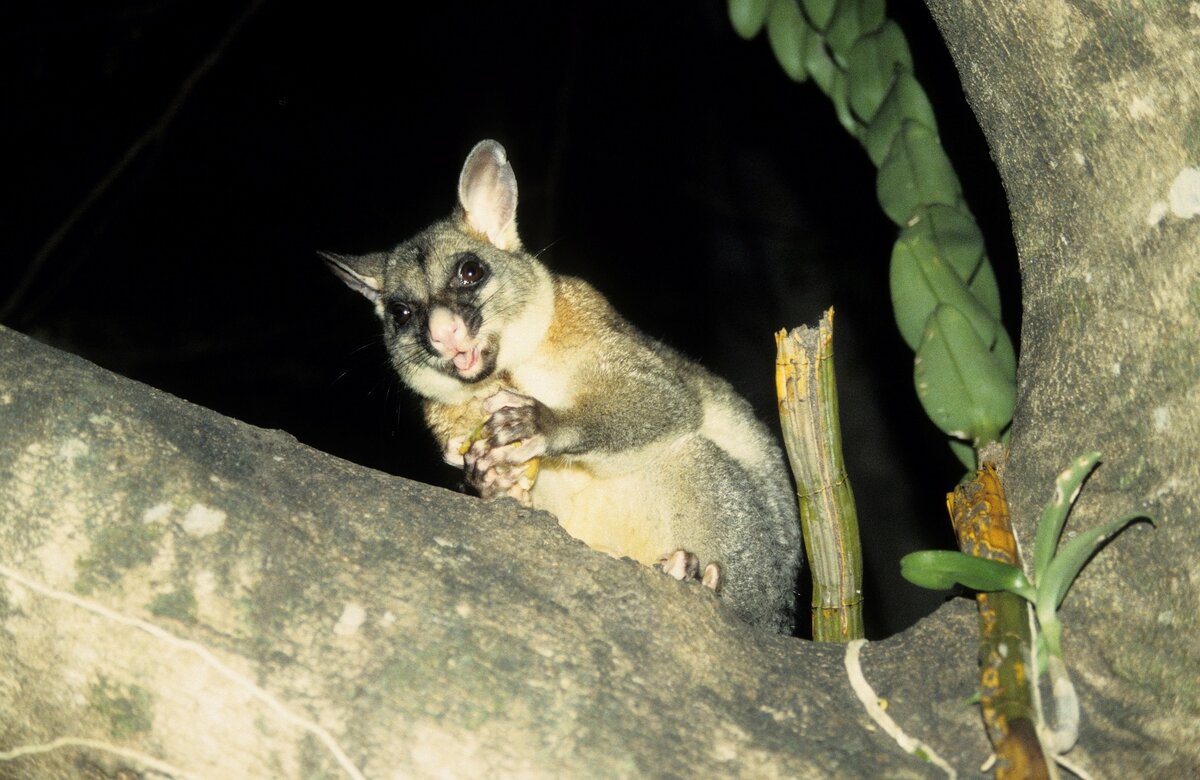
<point>471,271</point>
<point>400,313</point>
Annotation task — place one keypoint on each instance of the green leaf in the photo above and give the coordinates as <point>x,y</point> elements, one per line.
<point>819,12</point>
<point>941,569</point>
<point>955,232</point>
<point>985,289</point>
<point>905,100</point>
<point>965,453</point>
<point>841,104</point>
<point>1070,560</point>
<point>1054,514</point>
<point>920,279</point>
<point>789,36</point>
<point>819,65</point>
<point>964,390</point>
<point>874,64</point>
<point>851,20</point>
<point>747,16</point>
<point>1003,352</point>
<point>915,173</point>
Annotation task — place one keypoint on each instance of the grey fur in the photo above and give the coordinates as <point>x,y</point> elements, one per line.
<point>604,409</point>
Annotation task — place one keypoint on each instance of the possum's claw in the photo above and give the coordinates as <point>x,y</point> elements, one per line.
<point>683,565</point>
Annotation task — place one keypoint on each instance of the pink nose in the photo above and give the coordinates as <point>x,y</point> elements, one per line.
<point>447,331</point>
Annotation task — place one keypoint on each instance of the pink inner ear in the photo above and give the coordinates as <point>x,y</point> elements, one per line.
<point>490,213</point>
<point>481,211</point>
<point>496,238</point>
<point>488,194</point>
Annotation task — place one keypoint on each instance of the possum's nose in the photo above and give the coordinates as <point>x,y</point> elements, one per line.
<point>448,333</point>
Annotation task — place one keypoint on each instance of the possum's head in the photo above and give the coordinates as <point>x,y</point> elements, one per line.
<point>461,300</point>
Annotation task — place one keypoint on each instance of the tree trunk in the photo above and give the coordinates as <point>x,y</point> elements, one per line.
<point>1092,113</point>
<point>185,595</point>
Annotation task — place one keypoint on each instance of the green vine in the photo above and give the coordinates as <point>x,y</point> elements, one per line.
<point>944,292</point>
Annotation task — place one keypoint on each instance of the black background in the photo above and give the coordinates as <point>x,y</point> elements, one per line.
<point>660,156</point>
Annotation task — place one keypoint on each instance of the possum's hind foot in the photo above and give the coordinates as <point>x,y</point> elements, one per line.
<point>683,565</point>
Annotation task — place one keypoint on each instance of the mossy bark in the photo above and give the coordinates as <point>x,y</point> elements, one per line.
<point>183,593</point>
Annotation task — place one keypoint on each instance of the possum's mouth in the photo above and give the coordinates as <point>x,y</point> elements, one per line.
<point>467,362</point>
<point>474,364</point>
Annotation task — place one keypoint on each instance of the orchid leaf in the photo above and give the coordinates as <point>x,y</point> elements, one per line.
<point>1054,515</point>
<point>942,569</point>
<point>1065,566</point>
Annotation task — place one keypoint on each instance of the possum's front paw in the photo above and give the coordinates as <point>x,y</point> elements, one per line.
<point>500,479</point>
<point>502,460</point>
<point>515,418</point>
<point>683,565</point>
<point>498,471</point>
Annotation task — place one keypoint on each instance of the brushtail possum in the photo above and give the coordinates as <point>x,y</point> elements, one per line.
<point>538,389</point>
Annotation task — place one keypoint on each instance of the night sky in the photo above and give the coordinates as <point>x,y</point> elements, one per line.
<point>658,155</point>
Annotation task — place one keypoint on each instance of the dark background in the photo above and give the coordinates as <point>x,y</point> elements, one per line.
<point>660,156</point>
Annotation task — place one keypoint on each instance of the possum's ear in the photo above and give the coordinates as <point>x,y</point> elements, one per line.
<point>487,195</point>
<point>362,273</point>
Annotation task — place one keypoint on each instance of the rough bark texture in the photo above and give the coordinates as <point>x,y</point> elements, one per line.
<point>232,603</point>
<point>1092,113</point>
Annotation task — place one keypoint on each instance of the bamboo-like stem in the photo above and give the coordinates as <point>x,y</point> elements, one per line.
<point>1008,673</point>
<point>808,411</point>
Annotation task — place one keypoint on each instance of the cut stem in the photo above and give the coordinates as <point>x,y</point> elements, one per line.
<point>808,411</point>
